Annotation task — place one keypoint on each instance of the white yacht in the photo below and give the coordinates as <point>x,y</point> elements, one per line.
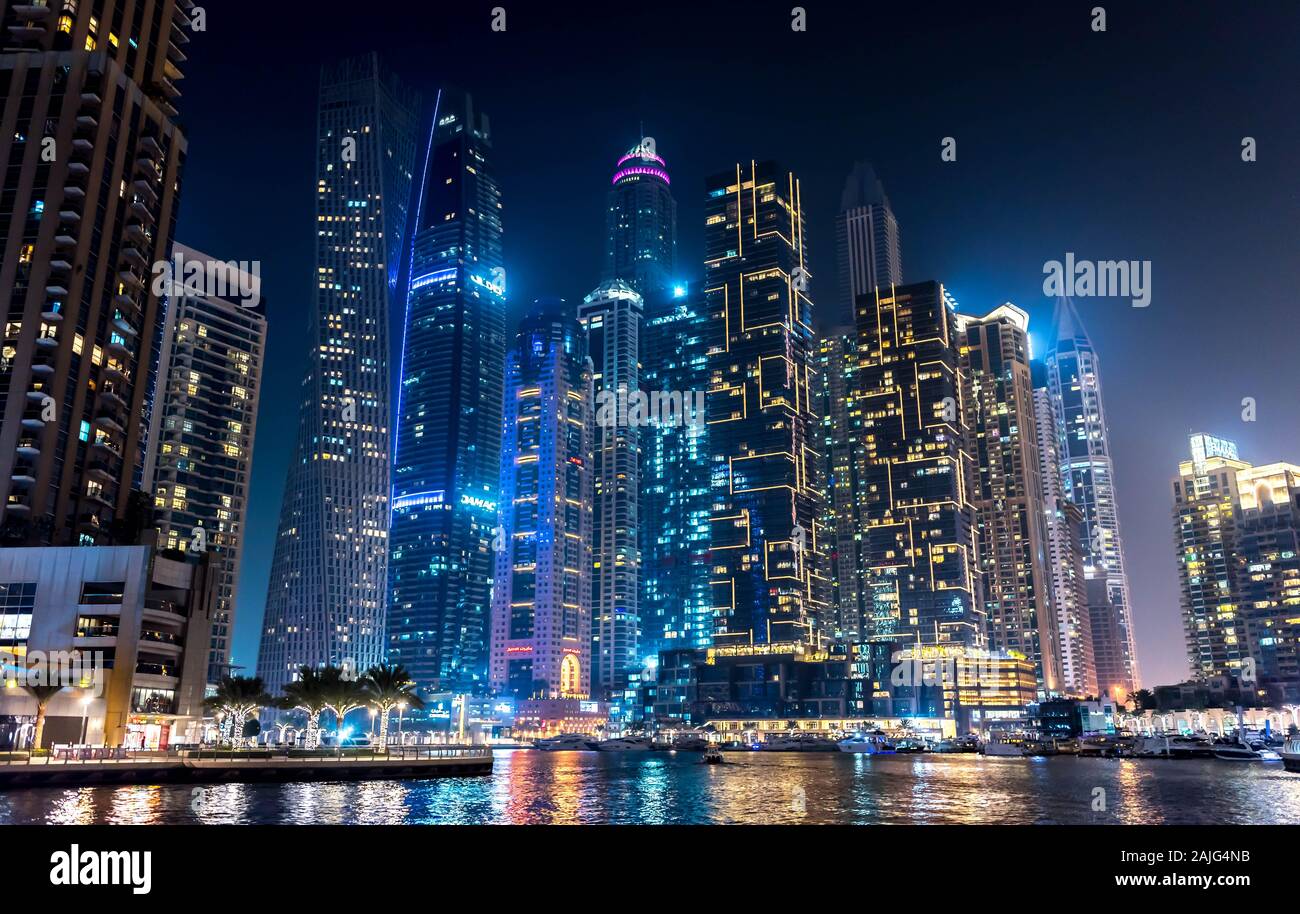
<point>565,742</point>
<point>1000,748</point>
<point>626,744</point>
<point>1291,754</point>
<point>868,743</point>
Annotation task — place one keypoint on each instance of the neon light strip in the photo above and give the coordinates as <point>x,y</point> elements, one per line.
<point>638,154</point>
<point>418,499</point>
<point>642,170</point>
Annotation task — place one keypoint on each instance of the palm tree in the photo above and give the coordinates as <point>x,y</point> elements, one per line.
<point>386,687</point>
<point>235,699</point>
<point>343,694</point>
<point>309,693</point>
<point>42,694</point>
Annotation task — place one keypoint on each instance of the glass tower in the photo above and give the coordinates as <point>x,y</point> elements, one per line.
<point>325,601</point>
<point>867,251</point>
<point>447,456</point>
<point>1087,480</point>
<point>768,577</point>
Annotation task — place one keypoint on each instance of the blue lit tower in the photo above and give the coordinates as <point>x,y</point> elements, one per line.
<point>1088,480</point>
<point>325,600</point>
<point>447,456</point>
<point>541,601</point>
<point>641,221</point>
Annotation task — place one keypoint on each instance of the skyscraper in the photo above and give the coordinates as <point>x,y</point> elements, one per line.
<point>1087,480</point>
<point>867,251</point>
<point>641,221</point>
<point>914,503</point>
<point>541,601</point>
<point>611,316</point>
<point>768,582</point>
<point>1007,490</point>
<point>200,460</point>
<point>1205,509</point>
<point>1065,551</point>
<point>94,161</point>
<point>447,461</point>
<point>676,499</point>
<point>839,408</point>
<point>325,601</point>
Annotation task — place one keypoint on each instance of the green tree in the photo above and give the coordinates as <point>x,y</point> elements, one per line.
<point>386,687</point>
<point>42,694</point>
<point>343,693</point>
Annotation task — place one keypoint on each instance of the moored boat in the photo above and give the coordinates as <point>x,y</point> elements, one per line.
<point>565,742</point>
<point>867,744</point>
<point>1291,754</point>
<point>625,744</point>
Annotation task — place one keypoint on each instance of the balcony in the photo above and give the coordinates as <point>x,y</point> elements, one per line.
<point>87,122</point>
<point>81,144</point>
<point>26,31</point>
<point>142,212</point>
<point>102,470</point>
<point>31,11</point>
<point>144,187</point>
<point>56,291</point>
<point>130,279</point>
<point>29,446</point>
<point>133,255</point>
<point>168,670</point>
<point>63,240</point>
<point>91,97</point>
<point>73,192</point>
<point>70,215</point>
<point>23,474</point>
<point>164,606</point>
<point>80,169</point>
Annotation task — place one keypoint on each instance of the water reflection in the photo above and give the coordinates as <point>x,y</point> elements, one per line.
<point>529,787</point>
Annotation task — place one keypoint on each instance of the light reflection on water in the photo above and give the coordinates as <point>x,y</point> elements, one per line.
<point>675,788</point>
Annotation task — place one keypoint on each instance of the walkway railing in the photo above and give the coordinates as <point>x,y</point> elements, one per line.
<point>99,755</point>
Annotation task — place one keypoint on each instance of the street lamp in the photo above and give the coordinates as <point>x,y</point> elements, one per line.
<point>401,709</point>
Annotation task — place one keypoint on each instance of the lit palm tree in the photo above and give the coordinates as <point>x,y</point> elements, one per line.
<point>42,694</point>
<point>309,693</point>
<point>386,687</point>
<point>343,694</point>
<point>235,699</point>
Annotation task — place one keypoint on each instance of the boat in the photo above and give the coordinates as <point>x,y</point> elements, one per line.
<point>690,743</point>
<point>1291,754</point>
<point>958,744</point>
<point>908,744</point>
<point>999,747</point>
<point>713,756</point>
<point>625,744</point>
<point>565,742</point>
<point>867,743</point>
<point>797,744</point>
<point>1174,747</point>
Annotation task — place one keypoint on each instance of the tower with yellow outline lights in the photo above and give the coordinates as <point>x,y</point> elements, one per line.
<point>766,563</point>
<point>914,471</point>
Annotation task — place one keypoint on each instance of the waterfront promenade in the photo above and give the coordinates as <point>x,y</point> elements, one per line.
<point>96,766</point>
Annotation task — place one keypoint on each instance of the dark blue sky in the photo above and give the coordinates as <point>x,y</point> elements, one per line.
<point>1119,145</point>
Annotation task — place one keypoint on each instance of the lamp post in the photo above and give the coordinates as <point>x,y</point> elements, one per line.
<point>401,709</point>
<point>85,714</point>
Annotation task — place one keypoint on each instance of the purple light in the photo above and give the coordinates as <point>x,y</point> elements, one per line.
<point>642,170</point>
<point>638,153</point>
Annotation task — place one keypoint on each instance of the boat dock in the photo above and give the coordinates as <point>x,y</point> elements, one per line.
<point>80,766</point>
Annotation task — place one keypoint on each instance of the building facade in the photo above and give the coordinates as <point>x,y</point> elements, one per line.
<point>448,443</point>
<point>200,460</point>
<point>1088,480</point>
<point>94,160</point>
<point>641,221</point>
<point>611,316</point>
<point>768,575</point>
<point>916,516</point>
<point>1007,491</point>
<point>541,598</point>
<point>328,586</point>
<point>139,621</point>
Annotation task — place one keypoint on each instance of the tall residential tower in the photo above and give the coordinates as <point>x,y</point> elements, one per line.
<point>867,252</point>
<point>641,221</point>
<point>325,600</point>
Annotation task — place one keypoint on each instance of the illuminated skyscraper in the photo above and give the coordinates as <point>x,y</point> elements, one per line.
<point>768,577</point>
<point>1007,491</point>
<point>839,408</point>
<point>611,317</point>
<point>325,601</point>
<point>94,161</point>
<point>1087,480</point>
<point>448,453</point>
<point>867,252</point>
<point>200,459</point>
<point>914,504</point>
<point>1065,551</point>
<point>676,606</point>
<point>541,599</point>
<point>1205,522</point>
<point>641,221</point>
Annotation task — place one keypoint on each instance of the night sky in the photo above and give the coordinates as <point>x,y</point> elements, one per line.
<point>1117,145</point>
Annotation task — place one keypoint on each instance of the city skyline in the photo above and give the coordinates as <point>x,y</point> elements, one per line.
<point>1146,437</point>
